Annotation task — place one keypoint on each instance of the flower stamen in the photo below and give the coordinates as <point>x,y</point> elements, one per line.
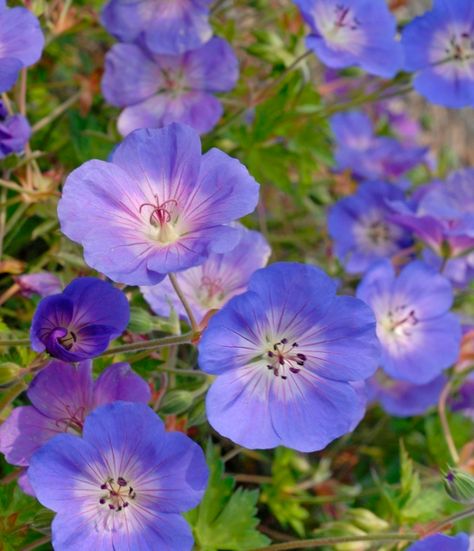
<point>283,358</point>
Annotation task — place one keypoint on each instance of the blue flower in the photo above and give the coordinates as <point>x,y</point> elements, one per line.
<point>439,46</point>
<point>21,43</point>
<point>215,282</point>
<point>345,33</point>
<point>158,207</point>
<point>369,156</point>
<point>440,542</point>
<point>286,354</point>
<point>402,399</point>
<point>165,27</point>
<point>361,229</point>
<point>157,90</point>
<point>62,395</point>
<point>15,132</point>
<point>419,336</point>
<point>79,323</point>
<point>123,485</point>
<point>39,283</point>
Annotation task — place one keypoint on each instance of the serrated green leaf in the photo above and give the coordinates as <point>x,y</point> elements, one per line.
<point>226,519</point>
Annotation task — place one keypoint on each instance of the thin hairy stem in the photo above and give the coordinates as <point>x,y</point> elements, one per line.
<point>184,302</point>
<point>153,344</point>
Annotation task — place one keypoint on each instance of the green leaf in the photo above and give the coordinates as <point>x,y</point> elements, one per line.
<point>225,519</point>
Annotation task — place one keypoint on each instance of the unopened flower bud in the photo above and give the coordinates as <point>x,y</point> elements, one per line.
<point>459,486</point>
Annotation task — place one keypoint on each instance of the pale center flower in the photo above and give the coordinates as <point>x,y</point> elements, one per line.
<point>283,358</point>
<point>162,220</point>
<point>339,26</point>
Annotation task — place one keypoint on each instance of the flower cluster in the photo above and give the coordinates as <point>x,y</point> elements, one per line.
<point>167,66</point>
<point>290,356</point>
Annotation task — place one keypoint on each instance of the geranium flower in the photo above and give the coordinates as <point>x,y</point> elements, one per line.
<point>369,156</point>
<point>15,131</point>
<point>39,283</point>
<point>127,481</point>
<point>345,33</point>
<point>21,43</point>
<point>79,323</point>
<point>215,282</point>
<point>402,399</point>
<point>440,542</point>
<point>158,207</point>
<point>157,90</point>
<point>165,27</point>
<point>439,48</point>
<point>361,228</point>
<point>285,353</point>
<point>418,334</point>
<point>62,395</point>
<point>443,216</point>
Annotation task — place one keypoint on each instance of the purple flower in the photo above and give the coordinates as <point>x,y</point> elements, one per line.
<point>215,282</point>
<point>165,27</point>
<point>40,283</point>
<point>463,401</point>
<point>460,270</point>
<point>285,354</point>
<point>126,481</point>
<point>360,227</point>
<point>157,89</point>
<point>418,334</point>
<point>21,43</point>
<point>158,207</point>
<point>439,47</point>
<point>79,323</point>
<point>345,33</point>
<point>369,156</point>
<point>402,399</point>
<point>443,214</point>
<point>62,395</point>
<point>15,132</point>
<point>440,542</point>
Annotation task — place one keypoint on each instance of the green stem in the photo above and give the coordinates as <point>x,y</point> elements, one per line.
<point>445,523</point>
<point>153,344</point>
<point>15,342</point>
<point>38,543</point>
<point>448,437</point>
<point>56,113</point>
<point>12,393</point>
<point>321,542</point>
<point>184,302</point>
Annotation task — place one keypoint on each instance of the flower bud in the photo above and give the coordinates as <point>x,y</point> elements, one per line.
<point>459,486</point>
<point>8,372</point>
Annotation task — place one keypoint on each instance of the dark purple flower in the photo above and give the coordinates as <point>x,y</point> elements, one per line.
<point>62,395</point>
<point>123,485</point>
<point>165,27</point>
<point>286,353</point>
<point>345,33</point>
<point>439,48</point>
<point>157,90</point>
<point>15,132</point>
<point>443,214</point>
<point>40,283</point>
<point>440,542</point>
<point>212,284</point>
<point>369,156</point>
<point>361,229</point>
<point>158,207</point>
<point>21,43</point>
<point>419,336</point>
<point>402,399</point>
<point>79,323</point>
